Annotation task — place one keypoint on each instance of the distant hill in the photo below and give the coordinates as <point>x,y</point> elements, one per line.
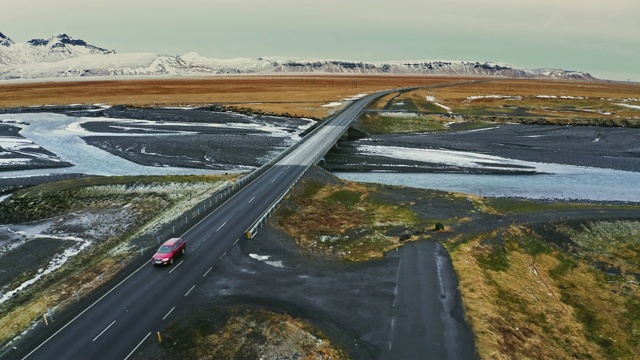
<point>63,56</point>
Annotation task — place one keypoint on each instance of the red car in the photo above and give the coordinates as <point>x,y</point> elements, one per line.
<point>168,251</point>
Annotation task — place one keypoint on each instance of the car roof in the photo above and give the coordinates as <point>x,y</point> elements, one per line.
<point>171,241</point>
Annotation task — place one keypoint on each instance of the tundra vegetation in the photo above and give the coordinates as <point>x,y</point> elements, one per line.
<point>342,221</point>
<point>247,333</point>
<point>497,101</point>
<point>559,291</point>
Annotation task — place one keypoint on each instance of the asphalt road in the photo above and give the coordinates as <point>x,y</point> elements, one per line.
<point>427,318</point>
<point>135,309</point>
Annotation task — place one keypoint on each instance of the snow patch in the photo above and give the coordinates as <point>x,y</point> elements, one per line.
<point>399,114</point>
<point>332,104</point>
<point>504,97</point>
<point>54,264</point>
<point>465,159</point>
<point>265,259</point>
<point>637,107</point>
<point>433,100</point>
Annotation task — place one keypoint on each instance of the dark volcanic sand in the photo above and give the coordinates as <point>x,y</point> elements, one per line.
<point>200,145</point>
<point>200,138</point>
<point>613,148</point>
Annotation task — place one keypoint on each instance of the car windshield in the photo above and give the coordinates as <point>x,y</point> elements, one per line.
<point>164,249</point>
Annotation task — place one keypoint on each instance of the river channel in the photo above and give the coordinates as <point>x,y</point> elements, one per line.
<point>586,184</point>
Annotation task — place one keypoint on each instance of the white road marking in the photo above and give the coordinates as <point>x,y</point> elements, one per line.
<point>225,253</point>
<point>175,267</point>
<point>170,311</point>
<point>137,346</point>
<point>238,239</point>
<point>85,310</point>
<point>205,274</point>
<point>221,226</point>
<point>253,198</point>
<point>190,290</point>
<point>103,331</point>
<point>275,178</point>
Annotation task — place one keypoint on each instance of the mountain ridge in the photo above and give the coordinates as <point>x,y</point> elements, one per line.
<point>62,56</point>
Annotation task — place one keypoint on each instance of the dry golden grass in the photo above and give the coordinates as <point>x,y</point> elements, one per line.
<point>528,87</point>
<point>304,95</point>
<point>598,99</point>
<point>280,336</point>
<point>296,95</point>
<point>383,101</point>
<point>523,312</point>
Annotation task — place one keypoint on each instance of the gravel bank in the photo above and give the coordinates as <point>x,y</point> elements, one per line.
<point>612,148</point>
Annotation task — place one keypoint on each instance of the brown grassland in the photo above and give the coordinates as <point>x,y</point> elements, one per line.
<point>527,298</point>
<point>296,95</point>
<point>304,95</point>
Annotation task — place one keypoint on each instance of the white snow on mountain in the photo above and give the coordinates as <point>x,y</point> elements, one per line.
<point>56,48</point>
<point>63,56</point>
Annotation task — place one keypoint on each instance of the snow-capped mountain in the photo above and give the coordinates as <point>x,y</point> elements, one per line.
<point>56,48</point>
<point>5,41</point>
<point>63,56</point>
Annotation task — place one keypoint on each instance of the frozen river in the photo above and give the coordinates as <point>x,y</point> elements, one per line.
<point>61,135</point>
<point>586,184</point>
<point>556,181</point>
<point>65,136</point>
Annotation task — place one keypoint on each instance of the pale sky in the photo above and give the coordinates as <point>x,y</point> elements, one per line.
<point>598,36</point>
